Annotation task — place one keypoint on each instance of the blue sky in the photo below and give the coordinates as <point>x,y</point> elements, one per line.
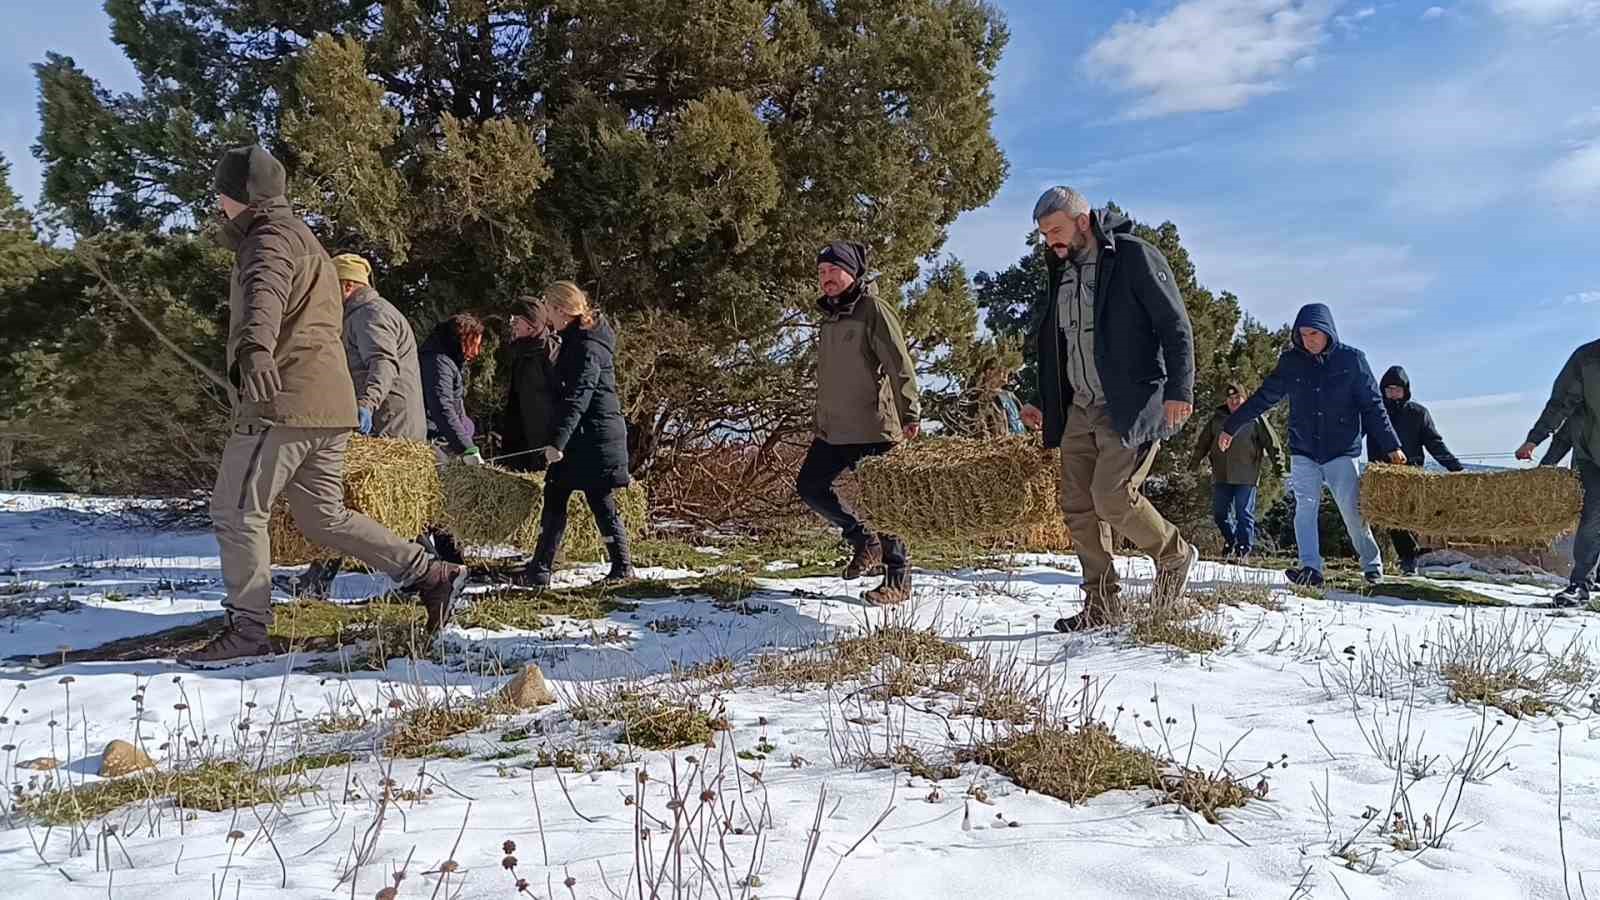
<point>1432,171</point>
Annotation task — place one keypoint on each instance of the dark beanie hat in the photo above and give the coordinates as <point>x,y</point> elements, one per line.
<point>250,175</point>
<point>847,255</point>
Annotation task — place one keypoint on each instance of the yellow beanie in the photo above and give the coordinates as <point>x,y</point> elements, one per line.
<point>353,268</point>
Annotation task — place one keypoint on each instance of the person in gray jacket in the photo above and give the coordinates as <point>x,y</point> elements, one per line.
<point>381,352</point>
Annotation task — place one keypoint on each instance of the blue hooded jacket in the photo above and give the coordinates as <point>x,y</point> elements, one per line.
<point>1333,398</point>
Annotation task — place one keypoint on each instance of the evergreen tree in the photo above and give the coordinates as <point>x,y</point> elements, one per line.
<point>681,160</point>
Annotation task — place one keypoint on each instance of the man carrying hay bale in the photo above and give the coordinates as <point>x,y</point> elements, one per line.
<point>380,350</point>
<point>1413,424</point>
<point>295,409</point>
<point>867,402</point>
<point>1116,374</point>
<point>1570,411</point>
<point>1236,473</point>
<point>1332,399</point>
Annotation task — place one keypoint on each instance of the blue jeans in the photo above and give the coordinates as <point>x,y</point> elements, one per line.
<point>1239,535</point>
<point>1343,478</point>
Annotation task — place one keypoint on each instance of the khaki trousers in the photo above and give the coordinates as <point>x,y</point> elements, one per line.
<point>307,465</point>
<point>1100,482</point>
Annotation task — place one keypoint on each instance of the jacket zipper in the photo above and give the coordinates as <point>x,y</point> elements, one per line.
<point>250,470</point>
<point>1077,304</point>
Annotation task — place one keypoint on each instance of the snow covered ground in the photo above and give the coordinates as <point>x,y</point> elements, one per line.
<point>1318,696</point>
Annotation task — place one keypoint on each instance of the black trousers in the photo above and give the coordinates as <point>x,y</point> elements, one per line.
<point>1405,545</point>
<point>553,520</point>
<point>823,465</point>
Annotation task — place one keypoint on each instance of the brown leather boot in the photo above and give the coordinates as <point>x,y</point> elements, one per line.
<point>240,643</point>
<point>1099,611</point>
<point>867,560</point>
<point>438,589</point>
<point>896,587</point>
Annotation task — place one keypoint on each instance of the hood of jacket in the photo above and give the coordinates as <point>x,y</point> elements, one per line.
<point>1396,376</point>
<point>1320,317</point>
<point>601,334</point>
<point>443,340</point>
<point>363,296</point>
<point>1107,225</point>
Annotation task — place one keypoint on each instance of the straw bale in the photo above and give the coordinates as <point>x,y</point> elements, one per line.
<point>486,506</point>
<point>1515,507</point>
<point>394,482</point>
<point>1001,491</point>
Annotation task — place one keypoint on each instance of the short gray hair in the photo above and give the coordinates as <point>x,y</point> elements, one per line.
<point>1060,199</point>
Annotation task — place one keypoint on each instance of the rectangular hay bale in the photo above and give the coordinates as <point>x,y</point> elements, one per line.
<point>394,482</point>
<point>1513,507</point>
<point>487,506</point>
<point>1003,491</point>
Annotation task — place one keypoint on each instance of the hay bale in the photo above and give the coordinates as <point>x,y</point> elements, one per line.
<point>1002,491</point>
<point>394,482</point>
<point>486,506</point>
<point>1516,507</point>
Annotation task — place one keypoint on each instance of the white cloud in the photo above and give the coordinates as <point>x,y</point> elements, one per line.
<point>1547,12</point>
<point>1575,177</point>
<point>1583,297</point>
<point>1433,12</point>
<point>1210,55</point>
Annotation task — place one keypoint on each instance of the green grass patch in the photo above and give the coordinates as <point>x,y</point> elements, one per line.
<point>650,719</point>
<point>1074,764</point>
<point>1508,690</point>
<point>212,787</point>
<point>1194,637</point>
<point>418,732</point>
<point>532,610</point>
<point>1414,590</point>
<point>845,659</point>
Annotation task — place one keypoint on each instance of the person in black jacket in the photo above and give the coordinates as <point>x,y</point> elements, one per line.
<point>531,405</point>
<point>1413,424</point>
<point>1116,377</point>
<point>588,449</point>
<point>446,358</point>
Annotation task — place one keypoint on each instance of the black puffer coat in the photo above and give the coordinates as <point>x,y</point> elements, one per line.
<point>530,417</point>
<point>1413,424</point>
<point>589,430</point>
<point>445,375</point>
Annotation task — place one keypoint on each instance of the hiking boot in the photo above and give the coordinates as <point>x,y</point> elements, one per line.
<point>895,590</point>
<point>438,589</point>
<point>1095,614</point>
<point>1374,578</point>
<point>1305,576</point>
<point>1571,595</point>
<point>532,575</point>
<point>238,644</point>
<point>896,587</point>
<point>867,559</point>
<point>1408,567</point>
<point>1171,583</point>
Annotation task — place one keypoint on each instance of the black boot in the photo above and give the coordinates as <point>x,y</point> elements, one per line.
<point>536,572</point>
<point>896,587</point>
<point>621,560</point>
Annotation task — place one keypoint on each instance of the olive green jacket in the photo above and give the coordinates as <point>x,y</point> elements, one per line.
<point>866,382</point>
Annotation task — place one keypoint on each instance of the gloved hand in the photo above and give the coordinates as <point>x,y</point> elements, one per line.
<point>364,416</point>
<point>472,457</point>
<point>553,456</point>
<point>258,377</point>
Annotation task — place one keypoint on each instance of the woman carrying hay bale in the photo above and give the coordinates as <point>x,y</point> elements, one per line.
<point>530,420</point>
<point>446,358</point>
<point>588,450</point>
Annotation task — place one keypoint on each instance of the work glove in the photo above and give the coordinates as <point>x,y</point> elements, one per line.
<point>364,416</point>
<point>258,377</point>
<point>553,456</point>
<point>472,457</point>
